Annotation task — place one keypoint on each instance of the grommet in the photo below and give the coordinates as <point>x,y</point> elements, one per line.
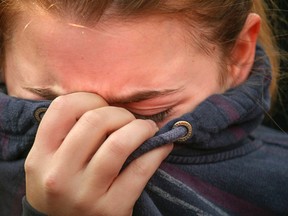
<point>188,127</point>
<point>38,114</point>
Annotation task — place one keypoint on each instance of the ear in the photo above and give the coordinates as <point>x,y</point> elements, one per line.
<point>243,53</point>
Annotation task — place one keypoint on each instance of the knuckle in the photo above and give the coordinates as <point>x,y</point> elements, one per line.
<point>90,96</point>
<point>60,103</point>
<point>148,126</point>
<point>29,166</point>
<point>51,184</point>
<point>139,169</point>
<point>116,145</point>
<point>100,100</point>
<point>119,111</point>
<point>93,118</point>
<point>32,162</point>
<point>101,117</point>
<point>126,112</point>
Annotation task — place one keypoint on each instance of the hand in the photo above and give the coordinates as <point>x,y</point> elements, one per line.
<point>79,150</point>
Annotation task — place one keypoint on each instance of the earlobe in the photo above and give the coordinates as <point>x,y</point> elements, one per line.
<point>243,52</point>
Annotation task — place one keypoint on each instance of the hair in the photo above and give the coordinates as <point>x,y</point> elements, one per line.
<point>220,21</point>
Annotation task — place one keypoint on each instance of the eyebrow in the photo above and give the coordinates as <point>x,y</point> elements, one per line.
<point>142,96</point>
<point>46,93</point>
<point>50,94</point>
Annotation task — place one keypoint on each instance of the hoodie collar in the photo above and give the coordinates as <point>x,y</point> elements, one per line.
<point>225,119</point>
<point>19,120</point>
<point>220,120</point>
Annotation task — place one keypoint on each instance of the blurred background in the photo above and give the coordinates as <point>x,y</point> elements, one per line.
<point>278,12</point>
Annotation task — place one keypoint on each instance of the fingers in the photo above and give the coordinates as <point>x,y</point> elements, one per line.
<point>112,154</point>
<point>88,134</point>
<point>62,114</point>
<point>80,148</point>
<point>132,181</point>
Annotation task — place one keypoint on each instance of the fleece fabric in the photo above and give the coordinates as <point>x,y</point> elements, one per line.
<point>228,164</point>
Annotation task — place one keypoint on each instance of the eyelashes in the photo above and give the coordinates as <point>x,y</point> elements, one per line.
<point>158,117</point>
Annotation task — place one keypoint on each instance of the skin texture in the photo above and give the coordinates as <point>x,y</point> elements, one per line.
<point>114,61</point>
<point>105,75</point>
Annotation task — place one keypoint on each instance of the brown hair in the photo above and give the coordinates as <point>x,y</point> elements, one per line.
<point>220,21</point>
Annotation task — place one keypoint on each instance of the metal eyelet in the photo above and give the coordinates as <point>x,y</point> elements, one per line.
<point>38,114</point>
<point>188,127</point>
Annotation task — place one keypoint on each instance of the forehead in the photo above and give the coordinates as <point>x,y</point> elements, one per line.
<point>32,21</point>
<point>111,49</point>
<point>153,29</point>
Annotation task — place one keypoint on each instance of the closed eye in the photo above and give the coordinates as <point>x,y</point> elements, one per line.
<point>158,117</point>
<point>44,93</point>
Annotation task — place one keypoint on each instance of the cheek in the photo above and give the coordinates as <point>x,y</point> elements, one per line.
<point>198,89</point>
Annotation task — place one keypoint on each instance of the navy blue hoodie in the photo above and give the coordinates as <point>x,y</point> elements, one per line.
<point>224,161</point>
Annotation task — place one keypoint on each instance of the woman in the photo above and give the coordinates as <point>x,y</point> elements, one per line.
<point>116,72</point>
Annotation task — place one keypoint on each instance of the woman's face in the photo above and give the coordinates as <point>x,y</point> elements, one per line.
<point>147,67</point>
